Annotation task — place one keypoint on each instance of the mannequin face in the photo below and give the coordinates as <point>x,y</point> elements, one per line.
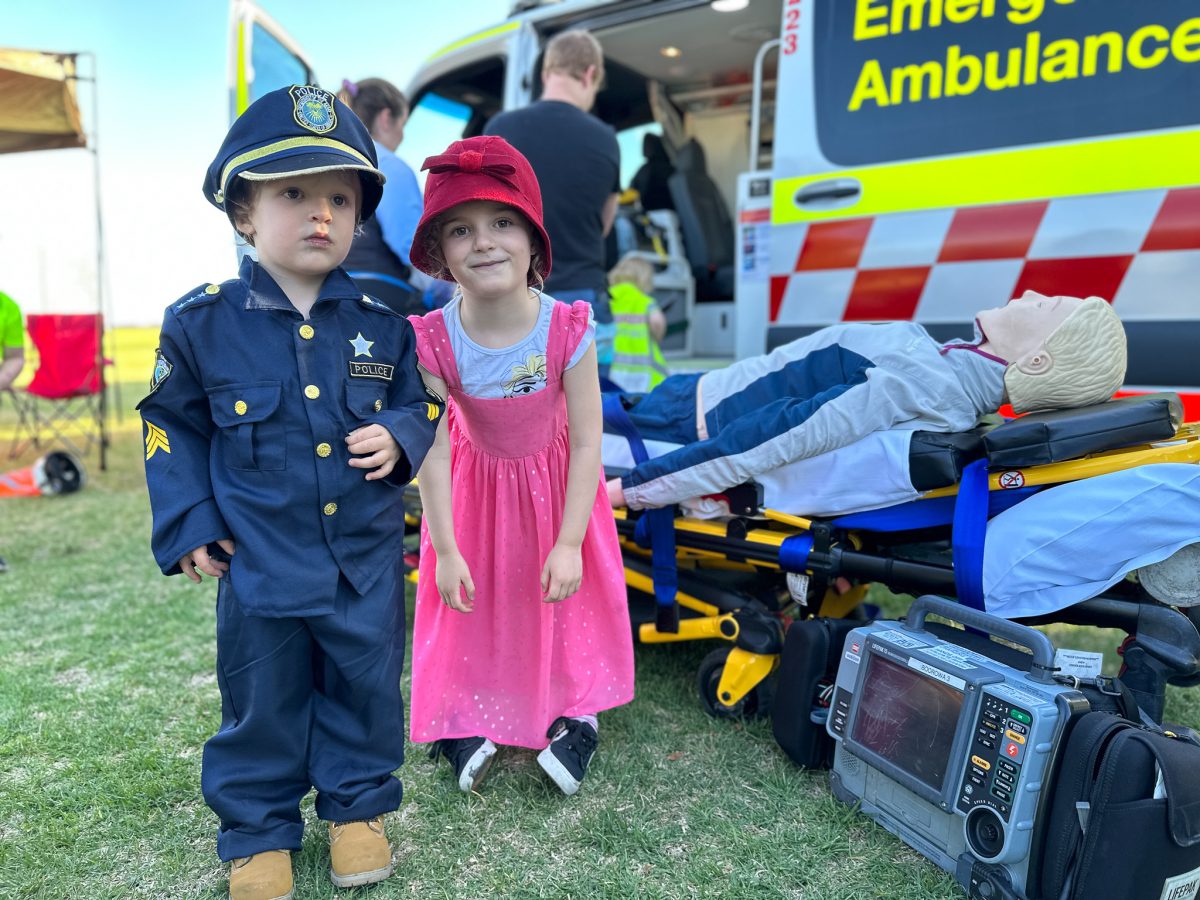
<point>1020,328</point>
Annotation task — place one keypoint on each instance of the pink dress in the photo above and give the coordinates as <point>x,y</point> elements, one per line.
<point>508,669</point>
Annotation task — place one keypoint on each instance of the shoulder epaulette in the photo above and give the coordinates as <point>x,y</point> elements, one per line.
<point>372,303</point>
<point>201,296</point>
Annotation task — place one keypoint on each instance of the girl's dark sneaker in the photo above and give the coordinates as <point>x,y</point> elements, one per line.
<point>470,758</point>
<point>572,744</point>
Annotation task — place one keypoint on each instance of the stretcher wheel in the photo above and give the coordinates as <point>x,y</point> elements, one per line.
<point>756,702</point>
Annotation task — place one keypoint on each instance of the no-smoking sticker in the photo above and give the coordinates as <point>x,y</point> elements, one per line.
<point>1010,480</point>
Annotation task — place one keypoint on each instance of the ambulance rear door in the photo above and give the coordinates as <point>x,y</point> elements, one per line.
<point>937,157</point>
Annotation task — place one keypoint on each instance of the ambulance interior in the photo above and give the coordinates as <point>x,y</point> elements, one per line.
<point>679,86</point>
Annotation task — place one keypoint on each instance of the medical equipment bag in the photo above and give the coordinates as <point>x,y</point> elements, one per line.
<point>1124,814</point>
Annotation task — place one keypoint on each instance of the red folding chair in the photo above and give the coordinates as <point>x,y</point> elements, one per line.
<point>66,399</point>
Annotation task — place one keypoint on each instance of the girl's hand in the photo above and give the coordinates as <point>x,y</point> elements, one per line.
<point>453,578</point>
<point>562,573</point>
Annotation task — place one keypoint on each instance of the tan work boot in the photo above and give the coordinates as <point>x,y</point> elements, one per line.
<point>359,852</point>
<point>263,876</point>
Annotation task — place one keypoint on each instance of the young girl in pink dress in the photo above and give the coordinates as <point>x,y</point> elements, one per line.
<point>522,633</point>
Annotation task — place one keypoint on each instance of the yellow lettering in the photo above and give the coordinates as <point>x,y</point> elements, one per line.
<point>1033,43</point>
<point>1061,62</point>
<point>1022,12</point>
<point>1185,42</point>
<point>914,9</point>
<point>959,11</point>
<point>1137,58</point>
<point>871,86</point>
<point>955,64</point>
<point>1012,74</point>
<point>1114,55</point>
<point>865,12</point>
<point>914,75</point>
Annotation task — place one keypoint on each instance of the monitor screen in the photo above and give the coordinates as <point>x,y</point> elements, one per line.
<point>908,719</point>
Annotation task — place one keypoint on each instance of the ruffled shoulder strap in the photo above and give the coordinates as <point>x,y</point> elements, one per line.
<point>568,326</point>
<point>433,347</point>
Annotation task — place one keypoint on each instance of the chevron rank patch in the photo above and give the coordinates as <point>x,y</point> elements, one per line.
<point>156,439</point>
<point>432,411</point>
<point>162,369</point>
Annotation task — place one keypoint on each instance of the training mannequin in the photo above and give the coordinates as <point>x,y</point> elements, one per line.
<point>829,389</point>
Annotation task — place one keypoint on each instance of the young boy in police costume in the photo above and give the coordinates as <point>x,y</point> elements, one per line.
<point>284,417</point>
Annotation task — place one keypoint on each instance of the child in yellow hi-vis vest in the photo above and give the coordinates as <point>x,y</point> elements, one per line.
<point>638,363</point>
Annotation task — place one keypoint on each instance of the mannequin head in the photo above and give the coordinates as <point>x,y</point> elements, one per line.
<point>1061,351</point>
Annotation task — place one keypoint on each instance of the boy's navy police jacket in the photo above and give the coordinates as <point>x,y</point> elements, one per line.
<point>245,430</point>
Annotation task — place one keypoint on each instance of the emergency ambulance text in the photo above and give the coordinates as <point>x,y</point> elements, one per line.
<point>878,18</point>
<point>1034,61</point>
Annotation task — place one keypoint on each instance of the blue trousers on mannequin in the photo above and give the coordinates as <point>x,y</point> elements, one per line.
<point>306,703</point>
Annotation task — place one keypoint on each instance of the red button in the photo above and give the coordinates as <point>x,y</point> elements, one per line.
<point>1012,749</point>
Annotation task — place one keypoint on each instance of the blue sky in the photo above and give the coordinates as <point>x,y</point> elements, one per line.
<point>163,109</point>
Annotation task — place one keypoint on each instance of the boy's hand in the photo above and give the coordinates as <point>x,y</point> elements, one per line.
<point>452,574</point>
<point>562,573</point>
<point>382,448</point>
<point>199,560</point>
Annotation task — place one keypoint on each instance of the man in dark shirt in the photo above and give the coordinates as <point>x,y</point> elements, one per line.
<point>577,163</point>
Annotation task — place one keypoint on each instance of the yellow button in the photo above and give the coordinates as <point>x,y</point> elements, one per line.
<point>323,450</point>
<point>330,509</point>
<point>981,762</point>
<point>213,289</point>
<point>312,392</point>
<point>378,405</point>
<point>306,332</point>
<point>1013,736</point>
<point>240,407</point>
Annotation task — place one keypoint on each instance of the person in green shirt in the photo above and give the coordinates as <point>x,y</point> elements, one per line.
<point>12,341</point>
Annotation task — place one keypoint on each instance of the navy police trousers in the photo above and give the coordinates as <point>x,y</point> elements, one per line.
<point>306,703</point>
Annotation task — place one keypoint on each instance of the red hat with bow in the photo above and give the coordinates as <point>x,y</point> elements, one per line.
<point>478,168</point>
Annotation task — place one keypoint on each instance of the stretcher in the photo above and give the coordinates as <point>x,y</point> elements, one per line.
<point>744,577</point>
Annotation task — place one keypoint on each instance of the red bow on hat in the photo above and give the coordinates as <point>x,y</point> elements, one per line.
<point>470,162</point>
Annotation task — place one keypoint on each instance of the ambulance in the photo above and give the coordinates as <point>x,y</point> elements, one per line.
<point>821,161</point>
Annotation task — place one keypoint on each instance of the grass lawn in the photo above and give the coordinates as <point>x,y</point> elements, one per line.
<point>107,693</point>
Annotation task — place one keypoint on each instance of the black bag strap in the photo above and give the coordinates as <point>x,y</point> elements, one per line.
<point>1177,761</point>
<point>1088,741</point>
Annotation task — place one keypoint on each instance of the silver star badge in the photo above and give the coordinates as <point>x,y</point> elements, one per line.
<point>362,347</point>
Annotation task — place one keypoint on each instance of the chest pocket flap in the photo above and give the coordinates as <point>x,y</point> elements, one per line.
<point>365,400</point>
<point>242,411</point>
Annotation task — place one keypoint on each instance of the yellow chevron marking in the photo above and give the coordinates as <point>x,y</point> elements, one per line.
<point>156,439</point>
<point>432,411</point>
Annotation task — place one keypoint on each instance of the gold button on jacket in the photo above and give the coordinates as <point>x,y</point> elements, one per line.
<point>330,509</point>
<point>312,392</point>
<point>323,450</point>
<point>240,408</point>
<point>378,405</point>
<point>306,332</point>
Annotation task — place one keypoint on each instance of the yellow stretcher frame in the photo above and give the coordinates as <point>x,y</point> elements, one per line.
<point>745,670</point>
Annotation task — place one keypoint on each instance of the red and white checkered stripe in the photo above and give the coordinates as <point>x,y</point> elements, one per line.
<point>1139,250</point>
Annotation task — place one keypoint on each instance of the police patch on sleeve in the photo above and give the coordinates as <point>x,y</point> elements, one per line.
<point>162,370</point>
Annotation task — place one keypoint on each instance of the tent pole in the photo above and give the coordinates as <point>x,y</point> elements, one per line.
<point>101,294</point>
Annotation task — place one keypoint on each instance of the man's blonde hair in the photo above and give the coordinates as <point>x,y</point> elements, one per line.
<point>635,270</point>
<point>571,53</point>
<point>1082,362</point>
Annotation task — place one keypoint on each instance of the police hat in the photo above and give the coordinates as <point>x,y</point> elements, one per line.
<point>296,130</point>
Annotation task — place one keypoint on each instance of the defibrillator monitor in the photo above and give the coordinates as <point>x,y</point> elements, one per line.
<point>947,747</point>
<point>907,719</point>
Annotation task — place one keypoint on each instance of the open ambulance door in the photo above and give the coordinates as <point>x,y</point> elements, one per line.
<point>262,57</point>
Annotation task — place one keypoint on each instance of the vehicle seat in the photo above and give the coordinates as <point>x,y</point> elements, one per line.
<point>705,223</point>
<point>650,181</point>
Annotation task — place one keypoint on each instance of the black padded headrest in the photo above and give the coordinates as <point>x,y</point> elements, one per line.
<point>690,157</point>
<point>1041,438</point>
